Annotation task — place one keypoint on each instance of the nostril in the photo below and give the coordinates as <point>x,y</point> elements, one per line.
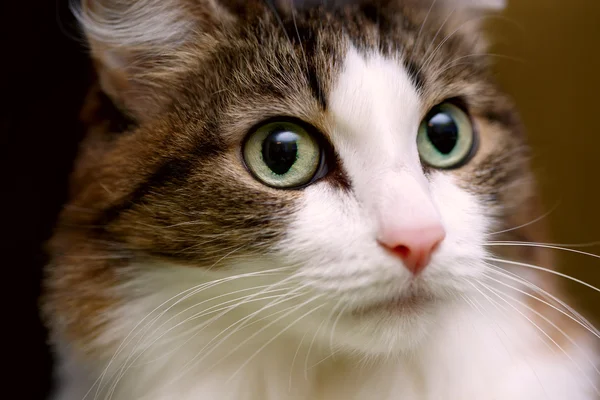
<point>402,250</point>
<point>413,246</point>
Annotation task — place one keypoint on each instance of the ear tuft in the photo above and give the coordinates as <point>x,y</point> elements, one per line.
<point>140,45</point>
<point>133,24</point>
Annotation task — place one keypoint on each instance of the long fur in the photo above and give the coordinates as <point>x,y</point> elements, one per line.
<point>177,274</point>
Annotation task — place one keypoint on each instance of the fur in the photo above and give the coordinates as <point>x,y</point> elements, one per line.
<point>175,274</point>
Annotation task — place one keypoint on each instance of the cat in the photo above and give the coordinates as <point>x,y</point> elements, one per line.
<point>309,200</point>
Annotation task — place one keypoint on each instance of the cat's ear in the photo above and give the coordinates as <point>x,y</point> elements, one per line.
<point>138,46</point>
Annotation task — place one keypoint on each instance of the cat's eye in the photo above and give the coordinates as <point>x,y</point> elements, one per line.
<point>283,154</point>
<point>446,137</point>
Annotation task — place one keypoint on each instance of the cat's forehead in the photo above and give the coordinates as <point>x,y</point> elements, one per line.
<point>289,64</point>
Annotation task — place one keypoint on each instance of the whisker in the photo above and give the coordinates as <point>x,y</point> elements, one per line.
<point>218,305</point>
<point>195,360</point>
<point>276,336</point>
<point>568,337</point>
<point>510,353</point>
<point>331,350</point>
<point>526,359</point>
<point>498,307</point>
<point>435,37</point>
<point>450,64</point>
<point>332,354</point>
<point>542,292</point>
<point>542,331</point>
<point>186,293</point>
<point>521,264</point>
<point>327,319</point>
<point>342,311</point>
<point>293,12</point>
<point>198,328</point>
<point>547,246</point>
<point>243,325</point>
<point>591,329</point>
<point>429,58</point>
<point>282,26</point>
<point>541,217</point>
<point>418,38</point>
<point>144,332</point>
<point>294,360</point>
<point>218,308</point>
<point>125,341</point>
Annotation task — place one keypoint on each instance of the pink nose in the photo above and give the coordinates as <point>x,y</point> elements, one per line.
<point>414,246</point>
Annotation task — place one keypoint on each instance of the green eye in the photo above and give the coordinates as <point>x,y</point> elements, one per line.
<point>282,155</point>
<point>446,138</point>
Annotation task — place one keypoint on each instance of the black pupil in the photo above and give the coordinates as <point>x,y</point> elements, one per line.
<point>280,150</point>
<point>442,132</point>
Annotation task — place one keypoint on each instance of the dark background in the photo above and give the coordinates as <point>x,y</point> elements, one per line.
<point>44,73</point>
<point>43,76</point>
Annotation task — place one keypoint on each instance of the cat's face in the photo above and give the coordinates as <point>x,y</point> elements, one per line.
<point>361,154</point>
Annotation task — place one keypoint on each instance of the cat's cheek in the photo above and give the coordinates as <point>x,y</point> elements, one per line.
<point>464,217</point>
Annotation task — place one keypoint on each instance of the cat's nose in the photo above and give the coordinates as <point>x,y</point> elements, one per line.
<point>413,245</point>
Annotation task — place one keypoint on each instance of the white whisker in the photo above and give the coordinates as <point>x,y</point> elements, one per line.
<point>591,329</point>
<point>294,359</point>
<point>276,336</point>
<point>542,292</point>
<point>547,246</point>
<point>266,327</point>
<point>327,319</point>
<point>342,311</point>
<point>547,320</point>
<point>521,264</point>
<point>568,337</point>
<point>533,221</point>
<point>195,360</point>
<point>217,308</point>
<point>186,294</point>
<point>539,329</point>
<point>435,37</point>
<point>418,38</point>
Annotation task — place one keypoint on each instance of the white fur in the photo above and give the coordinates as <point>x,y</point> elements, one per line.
<point>310,345</point>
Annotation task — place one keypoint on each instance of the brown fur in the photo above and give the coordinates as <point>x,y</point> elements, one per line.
<point>173,179</point>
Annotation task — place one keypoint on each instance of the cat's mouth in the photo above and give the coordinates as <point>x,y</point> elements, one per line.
<point>412,302</point>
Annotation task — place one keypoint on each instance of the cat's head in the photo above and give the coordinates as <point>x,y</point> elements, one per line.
<point>360,153</point>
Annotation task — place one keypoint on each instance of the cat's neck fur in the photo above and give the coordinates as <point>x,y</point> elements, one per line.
<point>471,346</point>
<point>169,233</point>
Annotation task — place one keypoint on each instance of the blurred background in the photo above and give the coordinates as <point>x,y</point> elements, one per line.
<point>548,61</point>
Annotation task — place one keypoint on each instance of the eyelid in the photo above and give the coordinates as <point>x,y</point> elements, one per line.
<point>457,101</point>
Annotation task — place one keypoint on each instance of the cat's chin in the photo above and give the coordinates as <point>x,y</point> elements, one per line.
<point>400,306</point>
<point>394,326</point>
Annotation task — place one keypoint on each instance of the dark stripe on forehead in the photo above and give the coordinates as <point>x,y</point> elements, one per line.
<point>316,87</point>
<point>305,37</point>
<point>414,72</point>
